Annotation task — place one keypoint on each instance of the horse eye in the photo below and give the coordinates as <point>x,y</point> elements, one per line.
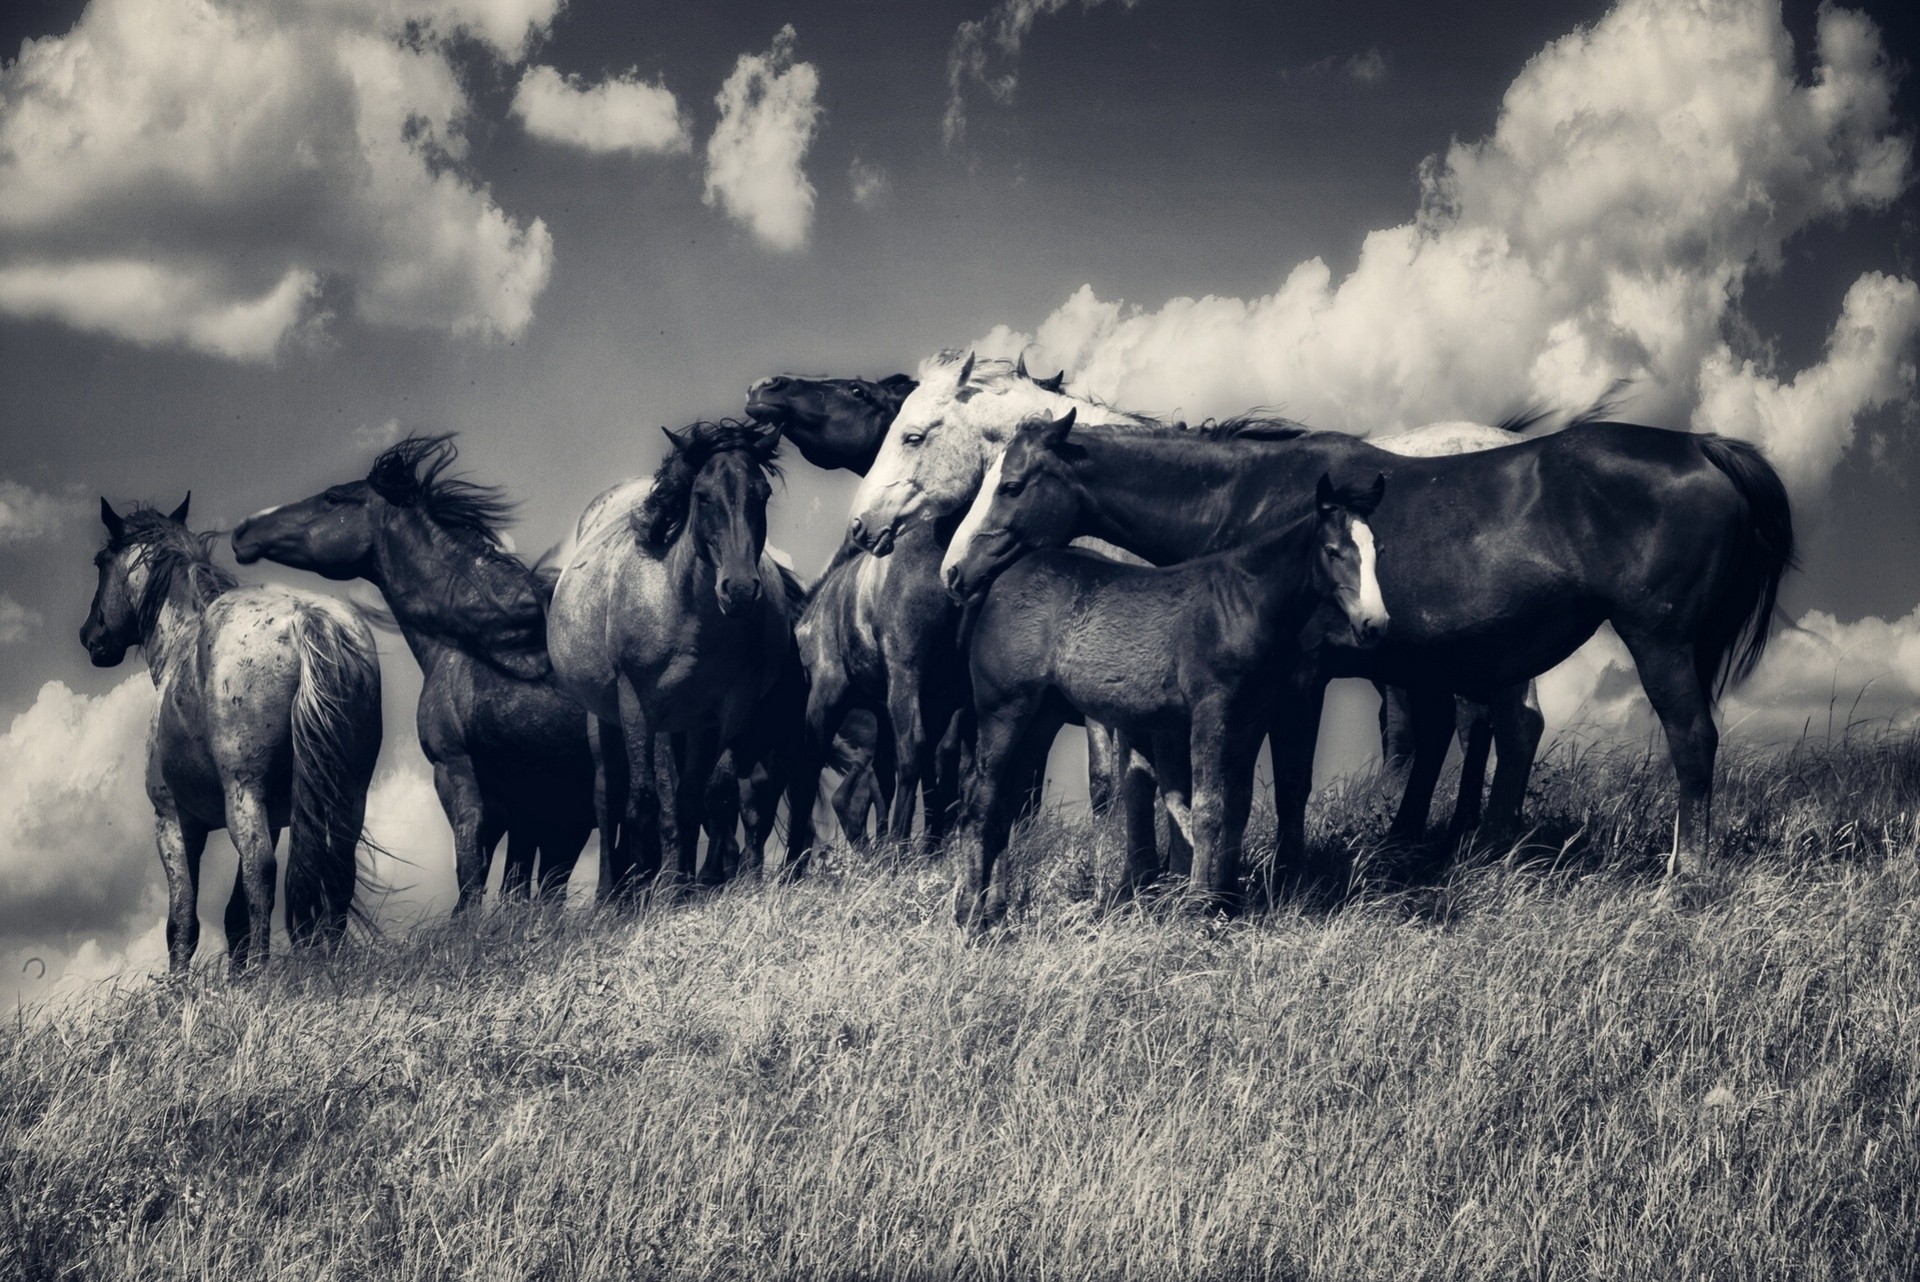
<point>913,438</point>
<point>1012,488</point>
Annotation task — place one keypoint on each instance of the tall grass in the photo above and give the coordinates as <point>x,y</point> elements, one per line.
<point>1533,1064</point>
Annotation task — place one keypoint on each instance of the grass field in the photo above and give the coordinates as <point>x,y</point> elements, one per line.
<point>1534,1065</point>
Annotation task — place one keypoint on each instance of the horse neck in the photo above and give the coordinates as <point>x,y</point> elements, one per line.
<point>407,550</point>
<point>1153,494</point>
<point>1275,573</point>
<point>170,644</point>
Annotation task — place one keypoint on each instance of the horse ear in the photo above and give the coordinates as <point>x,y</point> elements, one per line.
<point>1371,499</point>
<point>966,372</point>
<point>1054,434</point>
<point>1324,494</point>
<point>1057,383</point>
<point>179,514</point>
<point>111,519</point>
<point>676,439</point>
<point>1020,366</point>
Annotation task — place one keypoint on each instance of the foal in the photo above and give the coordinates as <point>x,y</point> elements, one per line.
<point>1188,659</point>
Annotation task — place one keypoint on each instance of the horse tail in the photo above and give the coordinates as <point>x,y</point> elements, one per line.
<point>336,739</point>
<point>1742,609</point>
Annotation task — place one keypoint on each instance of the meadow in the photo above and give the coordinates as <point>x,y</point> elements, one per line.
<point>1530,1063</point>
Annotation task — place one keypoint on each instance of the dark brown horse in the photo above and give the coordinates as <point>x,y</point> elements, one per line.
<point>1192,660</point>
<point>1495,565</point>
<point>268,719</point>
<point>508,745</point>
<point>670,618</point>
<point>835,423</point>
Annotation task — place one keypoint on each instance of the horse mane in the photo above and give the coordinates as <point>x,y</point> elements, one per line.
<point>661,515</point>
<point>413,473</point>
<point>171,549</point>
<point>1605,405</point>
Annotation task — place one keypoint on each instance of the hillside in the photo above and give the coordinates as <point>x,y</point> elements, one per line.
<point>1534,1065</point>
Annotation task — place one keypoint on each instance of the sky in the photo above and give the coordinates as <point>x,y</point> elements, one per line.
<point>246,243</point>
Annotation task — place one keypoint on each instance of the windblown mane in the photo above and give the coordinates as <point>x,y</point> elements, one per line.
<point>413,473</point>
<point>491,604</point>
<point>660,516</point>
<point>169,550</point>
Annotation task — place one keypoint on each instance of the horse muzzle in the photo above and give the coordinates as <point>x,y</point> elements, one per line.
<point>246,548</point>
<point>874,544</point>
<point>737,596</point>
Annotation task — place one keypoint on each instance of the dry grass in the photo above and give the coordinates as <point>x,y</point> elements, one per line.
<point>1532,1066</point>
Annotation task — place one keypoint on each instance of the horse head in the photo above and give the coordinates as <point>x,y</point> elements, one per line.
<point>713,489</point>
<point>122,599</point>
<point>941,442</point>
<point>1029,500</point>
<point>835,423</point>
<point>1345,567</point>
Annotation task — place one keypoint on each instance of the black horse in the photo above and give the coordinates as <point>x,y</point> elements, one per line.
<point>836,423</point>
<point>1192,660</point>
<point>509,748</point>
<point>1495,565</point>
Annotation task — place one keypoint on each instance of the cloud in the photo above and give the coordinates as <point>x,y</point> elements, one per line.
<point>1640,171</point>
<point>16,620</point>
<point>219,175</point>
<point>26,513</point>
<point>768,114</point>
<point>624,113</point>
<point>76,829</point>
<point>1368,68</point>
<point>870,183</point>
<point>983,53</point>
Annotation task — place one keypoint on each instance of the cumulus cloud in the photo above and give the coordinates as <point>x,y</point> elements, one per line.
<point>870,184</point>
<point>26,513</point>
<point>1640,171</point>
<point>984,52</point>
<point>217,174</point>
<point>623,113</point>
<point>16,620</point>
<point>768,115</point>
<point>76,829</point>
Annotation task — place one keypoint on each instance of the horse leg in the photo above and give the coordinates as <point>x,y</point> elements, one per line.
<point>1432,730</point>
<point>1396,730</point>
<point>181,844</point>
<point>1473,723</point>
<point>943,796</point>
<point>759,802</point>
<point>1517,729</point>
<point>1104,763</point>
<point>1173,771</point>
<point>851,802</point>
<point>254,838</point>
<point>460,797</point>
<point>560,844</point>
<point>910,756</point>
<point>1212,876</point>
<point>828,703</point>
<point>1292,733</point>
<point>987,816</point>
<point>1681,696</point>
<point>640,823</point>
<point>516,876</point>
<point>703,800</point>
<point>1137,791</point>
<point>612,777</point>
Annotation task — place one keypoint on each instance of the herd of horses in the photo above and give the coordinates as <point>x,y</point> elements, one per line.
<point>1018,558</point>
